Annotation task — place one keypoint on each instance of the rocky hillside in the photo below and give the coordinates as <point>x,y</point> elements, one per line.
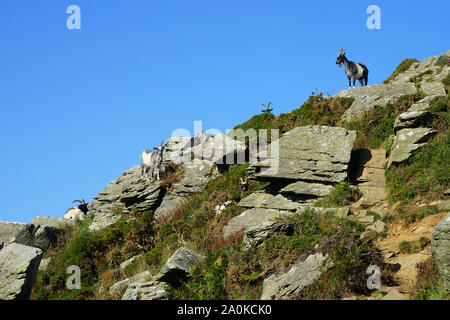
<point>354,180</point>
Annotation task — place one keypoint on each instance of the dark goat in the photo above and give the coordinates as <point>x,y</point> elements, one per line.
<point>355,70</point>
<point>267,108</point>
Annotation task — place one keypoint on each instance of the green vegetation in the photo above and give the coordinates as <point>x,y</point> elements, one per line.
<point>376,126</point>
<point>430,285</point>
<point>425,174</point>
<point>317,110</point>
<point>402,67</point>
<point>342,194</point>
<point>230,273</point>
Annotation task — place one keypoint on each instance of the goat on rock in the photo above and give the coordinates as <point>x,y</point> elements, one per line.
<point>151,160</point>
<point>77,213</point>
<point>353,70</point>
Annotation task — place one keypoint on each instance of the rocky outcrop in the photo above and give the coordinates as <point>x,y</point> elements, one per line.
<point>440,246</point>
<point>52,222</point>
<point>298,277</point>
<point>18,268</point>
<point>425,76</point>
<point>256,235</point>
<point>129,191</point>
<point>202,157</point>
<point>149,290</point>
<point>412,131</point>
<point>310,153</point>
<point>368,168</point>
<point>145,287</point>
<point>178,265</point>
<point>249,219</point>
<point>37,236</point>
<point>9,231</point>
<point>27,234</point>
<point>407,141</point>
<point>366,98</point>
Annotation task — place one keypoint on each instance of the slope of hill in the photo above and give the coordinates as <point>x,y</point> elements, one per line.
<point>354,180</point>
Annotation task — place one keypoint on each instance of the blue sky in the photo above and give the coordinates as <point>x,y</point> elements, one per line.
<point>79,106</point>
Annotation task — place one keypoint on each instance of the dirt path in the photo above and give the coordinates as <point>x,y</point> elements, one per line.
<point>401,266</point>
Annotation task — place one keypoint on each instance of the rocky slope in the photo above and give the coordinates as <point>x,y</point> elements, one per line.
<point>276,240</point>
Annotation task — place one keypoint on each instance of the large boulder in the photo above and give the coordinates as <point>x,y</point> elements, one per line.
<point>256,235</point>
<point>298,277</point>
<point>177,266</point>
<point>129,191</point>
<point>249,219</point>
<point>9,231</point>
<point>366,98</point>
<point>309,153</point>
<point>18,269</point>
<point>440,246</point>
<point>407,141</point>
<point>52,222</point>
<point>37,236</point>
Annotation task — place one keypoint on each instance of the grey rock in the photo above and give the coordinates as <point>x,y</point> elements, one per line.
<point>424,104</point>
<point>440,247</point>
<point>413,119</point>
<point>129,191</point>
<point>18,269</point>
<point>249,219</point>
<point>178,265</point>
<point>310,153</point>
<point>9,231</point>
<point>37,236</point>
<point>447,192</point>
<point>366,220</point>
<point>255,236</point>
<point>168,205</point>
<point>406,141</point>
<point>366,98</point>
<point>44,264</point>
<point>368,235</point>
<point>378,226</point>
<point>126,263</point>
<point>262,199</point>
<point>308,188</point>
<point>150,290</point>
<point>52,222</point>
<point>443,205</point>
<point>297,278</point>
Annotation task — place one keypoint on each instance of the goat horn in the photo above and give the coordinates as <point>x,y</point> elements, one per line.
<point>76,201</point>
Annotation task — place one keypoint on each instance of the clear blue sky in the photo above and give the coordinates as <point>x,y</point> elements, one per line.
<point>79,106</point>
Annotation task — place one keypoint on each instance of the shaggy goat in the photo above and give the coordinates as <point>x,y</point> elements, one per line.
<point>77,213</point>
<point>151,160</point>
<point>355,70</point>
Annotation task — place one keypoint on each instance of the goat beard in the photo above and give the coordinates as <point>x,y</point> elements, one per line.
<point>340,65</point>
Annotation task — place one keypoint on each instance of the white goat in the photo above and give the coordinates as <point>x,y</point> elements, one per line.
<point>151,160</point>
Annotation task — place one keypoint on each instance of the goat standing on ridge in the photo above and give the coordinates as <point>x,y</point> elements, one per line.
<point>151,160</point>
<point>355,70</point>
<point>267,108</point>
